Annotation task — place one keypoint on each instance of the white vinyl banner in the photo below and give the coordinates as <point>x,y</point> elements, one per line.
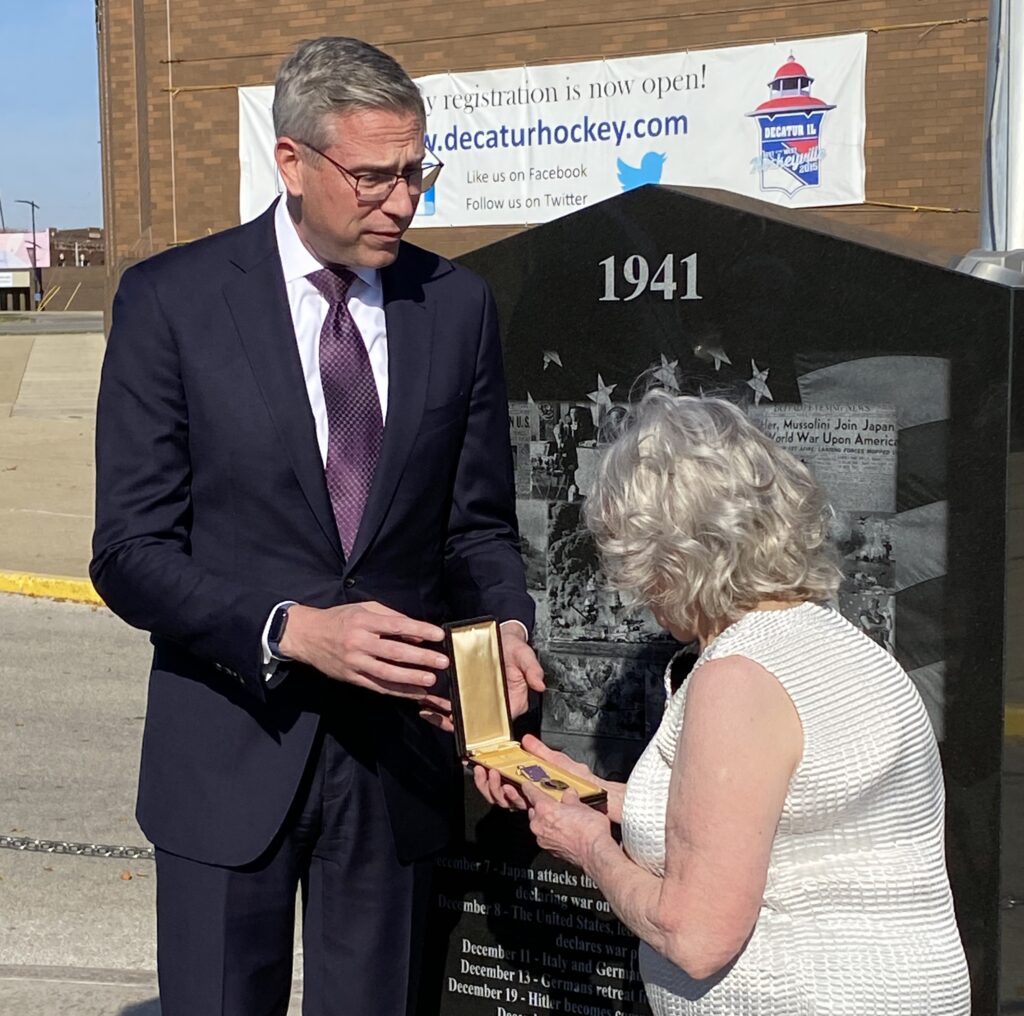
<point>783,122</point>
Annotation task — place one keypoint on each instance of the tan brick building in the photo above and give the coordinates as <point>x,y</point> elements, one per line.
<point>170,68</point>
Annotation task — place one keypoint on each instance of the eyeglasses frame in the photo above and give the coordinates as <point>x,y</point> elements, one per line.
<point>353,179</point>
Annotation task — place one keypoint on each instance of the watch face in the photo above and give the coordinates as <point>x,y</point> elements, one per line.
<point>277,623</point>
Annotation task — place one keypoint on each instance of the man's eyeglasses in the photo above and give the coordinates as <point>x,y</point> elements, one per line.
<point>374,187</point>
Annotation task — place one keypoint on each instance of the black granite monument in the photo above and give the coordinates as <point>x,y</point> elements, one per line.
<point>901,383</point>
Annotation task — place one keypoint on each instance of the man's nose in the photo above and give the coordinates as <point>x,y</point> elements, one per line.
<point>400,203</point>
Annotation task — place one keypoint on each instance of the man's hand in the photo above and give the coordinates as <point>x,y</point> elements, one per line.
<point>522,672</point>
<point>522,669</point>
<point>368,645</point>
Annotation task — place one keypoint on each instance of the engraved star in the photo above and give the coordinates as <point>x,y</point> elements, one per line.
<point>666,374</point>
<point>602,396</point>
<point>759,382</point>
<point>711,353</point>
<point>550,356</point>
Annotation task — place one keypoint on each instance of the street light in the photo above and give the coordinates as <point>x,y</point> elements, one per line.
<point>38,291</point>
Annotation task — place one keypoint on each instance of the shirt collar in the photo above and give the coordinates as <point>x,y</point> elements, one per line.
<point>296,260</point>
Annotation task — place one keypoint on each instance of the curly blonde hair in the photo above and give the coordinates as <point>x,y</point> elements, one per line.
<point>700,516</point>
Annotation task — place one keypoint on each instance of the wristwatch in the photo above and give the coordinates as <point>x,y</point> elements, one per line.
<point>278,623</point>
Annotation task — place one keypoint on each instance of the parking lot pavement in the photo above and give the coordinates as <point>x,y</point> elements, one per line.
<point>77,933</point>
<point>50,322</point>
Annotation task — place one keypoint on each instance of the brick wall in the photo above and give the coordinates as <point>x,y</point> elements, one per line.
<point>170,121</point>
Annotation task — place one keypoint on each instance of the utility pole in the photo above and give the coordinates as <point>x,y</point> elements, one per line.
<point>37,282</point>
<point>3,225</point>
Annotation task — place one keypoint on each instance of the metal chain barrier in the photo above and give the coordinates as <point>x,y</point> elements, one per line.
<point>76,849</point>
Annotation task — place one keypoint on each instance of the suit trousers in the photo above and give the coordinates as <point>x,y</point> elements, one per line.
<point>225,935</point>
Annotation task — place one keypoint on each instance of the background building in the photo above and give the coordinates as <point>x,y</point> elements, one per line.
<point>77,277</point>
<point>77,248</point>
<point>169,71</point>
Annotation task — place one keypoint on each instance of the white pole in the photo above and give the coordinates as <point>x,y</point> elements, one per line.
<point>1002,205</point>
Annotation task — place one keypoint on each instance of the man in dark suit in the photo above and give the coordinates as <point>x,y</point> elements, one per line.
<point>303,466</point>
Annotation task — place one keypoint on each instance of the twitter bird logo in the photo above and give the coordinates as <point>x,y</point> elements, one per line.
<point>649,171</point>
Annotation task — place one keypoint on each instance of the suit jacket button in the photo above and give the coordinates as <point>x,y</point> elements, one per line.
<point>349,583</point>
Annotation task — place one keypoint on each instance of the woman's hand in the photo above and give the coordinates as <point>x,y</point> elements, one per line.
<point>568,829</point>
<point>496,790</point>
<point>535,746</point>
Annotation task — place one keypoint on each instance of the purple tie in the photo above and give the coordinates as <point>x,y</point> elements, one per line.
<point>355,427</point>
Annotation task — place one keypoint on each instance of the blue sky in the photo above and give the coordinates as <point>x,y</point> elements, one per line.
<point>50,151</point>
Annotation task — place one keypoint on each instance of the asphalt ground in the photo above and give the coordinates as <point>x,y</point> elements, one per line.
<point>77,932</point>
<point>51,322</point>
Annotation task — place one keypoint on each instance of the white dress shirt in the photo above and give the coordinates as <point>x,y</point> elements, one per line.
<point>309,306</point>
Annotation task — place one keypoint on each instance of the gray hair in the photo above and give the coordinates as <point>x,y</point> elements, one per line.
<point>700,516</point>
<point>334,75</point>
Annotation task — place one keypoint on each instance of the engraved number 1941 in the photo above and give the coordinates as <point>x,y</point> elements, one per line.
<point>636,272</point>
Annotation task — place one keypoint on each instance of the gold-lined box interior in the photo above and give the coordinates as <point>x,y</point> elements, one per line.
<point>481,714</point>
<point>478,678</point>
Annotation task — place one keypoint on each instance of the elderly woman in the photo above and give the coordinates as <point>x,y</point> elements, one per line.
<point>782,835</point>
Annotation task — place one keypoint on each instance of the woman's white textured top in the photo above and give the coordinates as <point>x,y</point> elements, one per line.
<point>857,917</point>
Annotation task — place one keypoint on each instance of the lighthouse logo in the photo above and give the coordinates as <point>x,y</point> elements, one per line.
<point>789,124</point>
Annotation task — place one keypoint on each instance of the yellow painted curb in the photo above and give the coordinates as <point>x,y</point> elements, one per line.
<point>1013,723</point>
<point>51,587</point>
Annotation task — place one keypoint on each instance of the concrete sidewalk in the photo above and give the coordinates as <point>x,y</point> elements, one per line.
<point>48,385</point>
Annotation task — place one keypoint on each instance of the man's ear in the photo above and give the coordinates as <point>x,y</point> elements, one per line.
<point>289,165</point>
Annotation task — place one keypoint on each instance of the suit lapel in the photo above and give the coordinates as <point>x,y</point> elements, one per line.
<point>409,319</point>
<point>258,302</point>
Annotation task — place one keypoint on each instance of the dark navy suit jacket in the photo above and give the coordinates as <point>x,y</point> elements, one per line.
<point>211,508</point>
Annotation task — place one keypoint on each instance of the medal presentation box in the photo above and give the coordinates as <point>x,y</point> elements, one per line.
<point>483,724</point>
<point>900,382</point>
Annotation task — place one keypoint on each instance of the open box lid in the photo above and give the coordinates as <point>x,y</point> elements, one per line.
<point>480,707</point>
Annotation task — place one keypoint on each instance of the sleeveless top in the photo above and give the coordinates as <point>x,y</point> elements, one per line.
<point>857,916</point>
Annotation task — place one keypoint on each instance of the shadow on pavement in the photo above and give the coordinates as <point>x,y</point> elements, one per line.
<point>151,1007</point>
